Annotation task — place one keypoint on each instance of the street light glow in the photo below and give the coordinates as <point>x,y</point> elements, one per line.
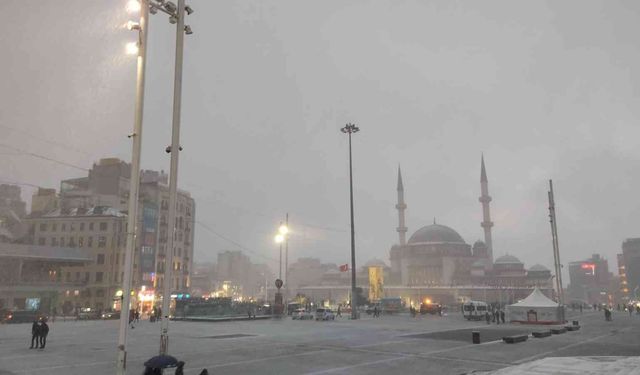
<point>131,25</point>
<point>132,48</point>
<point>279,238</point>
<point>133,6</point>
<point>283,229</point>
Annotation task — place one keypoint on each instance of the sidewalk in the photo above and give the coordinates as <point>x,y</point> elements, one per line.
<point>574,366</point>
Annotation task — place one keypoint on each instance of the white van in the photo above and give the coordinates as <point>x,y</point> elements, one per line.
<point>474,310</point>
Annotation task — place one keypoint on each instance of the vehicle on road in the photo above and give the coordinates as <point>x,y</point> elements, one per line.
<point>110,315</point>
<point>21,316</point>
<point>325,314</point>
<point>302,314</point>
<point>87,313</point>
<point>391,305</point>
<point>371,308</point>
<point>429,307</point>
<point>474,310</point>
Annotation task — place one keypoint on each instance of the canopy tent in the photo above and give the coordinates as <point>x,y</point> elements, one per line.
<point>535,309</point>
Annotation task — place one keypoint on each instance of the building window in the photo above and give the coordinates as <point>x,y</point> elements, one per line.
<point>117,259</point>
<point>80,241</point>
<point>100,259</point>
<point>54,241</point>
<point>86,277</point>
<point>54,227</point>
<point>90,226</point>
<point>72,242</point>
<point>68,276</point>
<point>99,277</point>
<point>103,226</point>
<point>99,292</point>
<point>102,241</point>
<point>63,227</point>
<point>81,226</point>
<point>72,227</point>
<point>41,241</point>
<point>77,276</point>
<point>90,241</point>
<point>61,241</point>
<point>43,227</point>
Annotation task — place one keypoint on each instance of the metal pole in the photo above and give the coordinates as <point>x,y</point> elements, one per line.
<point>121,365</point>
<point>173,179</point>
<point>354,297</point>
<point>286,264</point>
<point>557,247</point>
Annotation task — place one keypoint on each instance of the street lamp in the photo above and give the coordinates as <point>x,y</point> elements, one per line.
<point>176,15</point>
<point>350,129</point>
<point>283,230</point>
<point>139,48</point>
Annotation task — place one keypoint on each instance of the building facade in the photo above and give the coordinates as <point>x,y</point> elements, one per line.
<point>631,257</point>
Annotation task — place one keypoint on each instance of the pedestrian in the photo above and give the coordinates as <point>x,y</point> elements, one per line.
<point>137,316</point>
<point>44,331</point>
<point>179,368</point>
<point>581,309</point>
<point>204,372</point>
<point>502,314</point>
<point>488,317</point>
<point>339,312</point>
<point>630,309</point>
<point>132,317</point>
<point>35,334</point>
<point>497,316</point>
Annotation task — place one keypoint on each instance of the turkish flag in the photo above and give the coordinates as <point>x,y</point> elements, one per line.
<point>344,268</point>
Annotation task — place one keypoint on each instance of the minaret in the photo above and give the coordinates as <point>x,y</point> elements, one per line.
<point>402,230</point>
<point>486,214</point>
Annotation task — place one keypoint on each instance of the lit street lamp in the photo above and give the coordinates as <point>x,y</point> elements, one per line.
<point>139,48</point>
<point>350,129</point>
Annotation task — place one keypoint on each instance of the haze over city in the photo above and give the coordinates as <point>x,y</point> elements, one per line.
<point>267,85</point>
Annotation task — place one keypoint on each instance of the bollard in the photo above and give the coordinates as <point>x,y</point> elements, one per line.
<point>575,323</point>
<point>475,337</point>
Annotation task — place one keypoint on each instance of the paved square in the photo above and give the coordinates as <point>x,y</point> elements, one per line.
<point>388,345</point>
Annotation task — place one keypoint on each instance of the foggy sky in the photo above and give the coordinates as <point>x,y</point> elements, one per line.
<point>543,89</point>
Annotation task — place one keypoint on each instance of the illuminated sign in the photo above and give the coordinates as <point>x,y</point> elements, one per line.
<point>589,266</point>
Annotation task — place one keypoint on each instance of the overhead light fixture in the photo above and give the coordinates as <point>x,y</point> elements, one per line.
<point>187,30</point>
<point>132,48</point>
<point>133,6</point>
<point>188,9</point>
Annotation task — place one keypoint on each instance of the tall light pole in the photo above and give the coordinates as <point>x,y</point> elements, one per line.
<point>141,48</point>
<point>350,129</point>
<point>283,232</point>
<point>176,15</point>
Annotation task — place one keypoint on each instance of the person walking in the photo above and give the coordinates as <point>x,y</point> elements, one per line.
<point>488,317</point>
<point>339,312</point>
<point>502,316</point>
<point>630,310</point>
<point>580,309</point>
<point>44,331</point>
<point>35,334</point>
<point>179,368</point>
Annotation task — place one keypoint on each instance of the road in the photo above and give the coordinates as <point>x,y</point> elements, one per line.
<point>387,345</point>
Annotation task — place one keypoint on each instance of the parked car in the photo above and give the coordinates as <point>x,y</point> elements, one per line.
<point>110,315</point>
<point>87,313</point>
<point>21,316</point>
<point>301,314</point>
<point>430,308</point>
<point>325,314</point>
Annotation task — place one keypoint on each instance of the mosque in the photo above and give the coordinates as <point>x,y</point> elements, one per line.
<point>436,257</point>
<point>437,264</point>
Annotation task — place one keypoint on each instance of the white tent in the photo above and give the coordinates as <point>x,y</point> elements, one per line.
<point>535,309</point>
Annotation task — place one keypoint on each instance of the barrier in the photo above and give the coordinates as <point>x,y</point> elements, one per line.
<point>515,339</point>
<point>541,334</point>
<point>475,337</point>
<point>558,331</point>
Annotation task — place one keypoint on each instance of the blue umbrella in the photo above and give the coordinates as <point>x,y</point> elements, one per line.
<point>161,361</point>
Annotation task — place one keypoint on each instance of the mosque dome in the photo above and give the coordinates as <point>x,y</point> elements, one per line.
<point>436,233</point>
<point>539,268</point>
<point>508,259</point>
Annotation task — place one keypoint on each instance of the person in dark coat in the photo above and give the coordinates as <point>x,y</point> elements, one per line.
<point>179,368</point>
<point>488,317</point>
<point>204,372</point>
<point>35,334</point>
<point>44,331</point>
<point>502,316</point>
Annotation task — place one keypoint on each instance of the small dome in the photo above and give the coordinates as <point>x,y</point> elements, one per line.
<point>436,233</point>
<point>375,262</point>
<point>508,259</point>
<point>479,243</point>
<point>538,267</point>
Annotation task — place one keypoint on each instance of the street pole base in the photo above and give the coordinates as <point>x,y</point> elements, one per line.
<point>121,368</point>
<point>164,344</point>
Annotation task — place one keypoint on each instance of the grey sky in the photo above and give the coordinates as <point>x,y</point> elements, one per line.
<point>544,89</point>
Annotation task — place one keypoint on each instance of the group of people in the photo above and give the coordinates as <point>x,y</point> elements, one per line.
<point>39,332</point>
<point>495,316</point>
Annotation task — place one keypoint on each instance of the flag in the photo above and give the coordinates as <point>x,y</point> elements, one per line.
<point>344,268</point>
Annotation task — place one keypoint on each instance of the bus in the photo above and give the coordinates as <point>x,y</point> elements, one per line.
<point>474,310</point>
<point>391,305</point>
